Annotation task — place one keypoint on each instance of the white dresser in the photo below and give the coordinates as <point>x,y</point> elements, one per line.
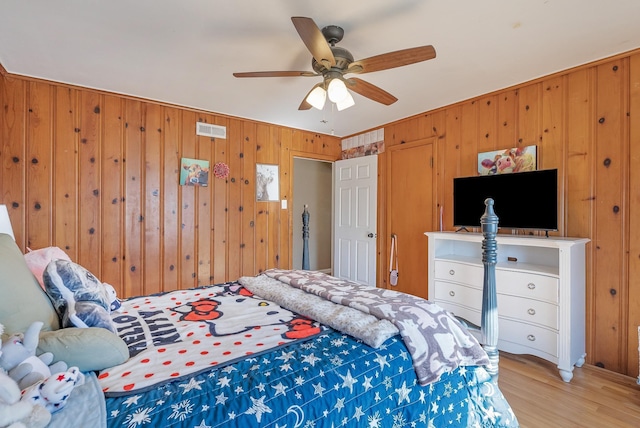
<point>541,291</point>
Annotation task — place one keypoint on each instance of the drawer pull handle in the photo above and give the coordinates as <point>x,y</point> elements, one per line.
<point>531,311</point>
<point>452,272</point>
<point>531,286</point>
<point>452,293</point>
<point>531,338</point>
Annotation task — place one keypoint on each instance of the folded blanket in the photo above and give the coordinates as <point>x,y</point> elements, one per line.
<point>369,329</point>
<point>437,342</point>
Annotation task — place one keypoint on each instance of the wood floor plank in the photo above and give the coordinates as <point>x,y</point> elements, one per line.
<point>594,398</point>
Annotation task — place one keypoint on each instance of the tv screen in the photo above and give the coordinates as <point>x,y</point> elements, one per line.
<point>523,200</point>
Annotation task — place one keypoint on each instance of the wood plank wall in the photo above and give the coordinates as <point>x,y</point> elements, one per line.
<point>96,174</point>
<point>585,122</point>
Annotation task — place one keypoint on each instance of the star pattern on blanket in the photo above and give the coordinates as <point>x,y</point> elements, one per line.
<point>336,394</point>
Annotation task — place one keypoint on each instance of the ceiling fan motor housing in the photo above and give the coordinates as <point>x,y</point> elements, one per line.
<point>343,59</point>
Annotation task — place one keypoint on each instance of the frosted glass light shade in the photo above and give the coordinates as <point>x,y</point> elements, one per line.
<point>337,90</point>
<point>5,222</point>
<point>317,97</point>
<point>346,102</point>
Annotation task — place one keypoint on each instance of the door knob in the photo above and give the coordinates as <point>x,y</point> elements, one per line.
<point>371,235</point>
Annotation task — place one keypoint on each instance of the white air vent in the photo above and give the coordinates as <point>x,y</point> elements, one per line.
<point>213,131</point>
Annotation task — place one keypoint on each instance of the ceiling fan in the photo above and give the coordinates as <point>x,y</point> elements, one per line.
<point>332,63</point>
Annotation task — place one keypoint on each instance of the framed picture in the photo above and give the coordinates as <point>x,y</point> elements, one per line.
<point>516,159</point>
<point>267,183</point>
<point>194,172</point>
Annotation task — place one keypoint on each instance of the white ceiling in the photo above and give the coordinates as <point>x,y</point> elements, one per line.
<point>185,51</point>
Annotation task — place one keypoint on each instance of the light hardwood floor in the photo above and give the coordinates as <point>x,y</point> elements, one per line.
<point>594,398</point>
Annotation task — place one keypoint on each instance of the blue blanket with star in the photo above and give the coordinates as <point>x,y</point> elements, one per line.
<point>330,380</point>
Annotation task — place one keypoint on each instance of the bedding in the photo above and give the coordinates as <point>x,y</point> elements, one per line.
<point>175,334</point>
<point>436,341</point>
<point>330,380</point>
<point>317,377</point>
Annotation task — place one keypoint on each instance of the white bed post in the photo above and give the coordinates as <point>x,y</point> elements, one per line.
<point>489,321</point>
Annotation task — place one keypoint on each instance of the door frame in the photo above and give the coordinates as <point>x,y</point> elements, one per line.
<point>307,156</point>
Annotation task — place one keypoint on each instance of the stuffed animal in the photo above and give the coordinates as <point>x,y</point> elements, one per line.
<point>15,413</point>
<point>53,392</point>
<point>78,297</point>
<point>19,358</point>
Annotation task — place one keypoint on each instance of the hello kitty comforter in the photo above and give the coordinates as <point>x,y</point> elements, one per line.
<point>183,332</point>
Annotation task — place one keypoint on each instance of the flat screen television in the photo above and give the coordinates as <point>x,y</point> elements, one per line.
<point>523,200</point>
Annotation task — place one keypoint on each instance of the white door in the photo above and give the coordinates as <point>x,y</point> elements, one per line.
<point>355,198</point>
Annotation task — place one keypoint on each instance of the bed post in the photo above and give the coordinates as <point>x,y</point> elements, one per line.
<point>305,239</point>
<point>489,322</point>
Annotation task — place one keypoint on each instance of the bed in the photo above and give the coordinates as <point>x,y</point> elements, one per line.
<point>290,349</point>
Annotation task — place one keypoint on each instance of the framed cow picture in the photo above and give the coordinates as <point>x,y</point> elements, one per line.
<point>194,172</point>
<point>506,161</point>
<point>267,183</point>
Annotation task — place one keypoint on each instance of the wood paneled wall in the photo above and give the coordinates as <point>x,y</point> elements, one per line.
<point>96,174</point>
<point>586,123</point>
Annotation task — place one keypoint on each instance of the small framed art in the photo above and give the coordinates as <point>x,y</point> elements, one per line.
<point>267,183</point>
<point>194,172</point>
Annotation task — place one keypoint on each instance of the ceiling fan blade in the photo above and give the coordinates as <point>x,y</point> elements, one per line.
<point>392,59</point>
<point>314,40</point>
<point>370,91</point>
<point>275,74</point>
<point>304,105</point>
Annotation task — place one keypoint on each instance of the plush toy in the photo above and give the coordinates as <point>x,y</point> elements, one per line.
<point>19,358</point>
<point>78,297</point>
<point>15,413</point>
<point>53,392</point>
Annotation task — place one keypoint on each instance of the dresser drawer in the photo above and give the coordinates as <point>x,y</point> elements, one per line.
<point>458,294</point>
<point>527,285</point>
<point>459,272</point>
<point>528,310</point>
<point>529,336</point>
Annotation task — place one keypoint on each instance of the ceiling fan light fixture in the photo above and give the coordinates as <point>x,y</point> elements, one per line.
<point>337,90</point>
<point>345,103</point>
<point>317,97</point>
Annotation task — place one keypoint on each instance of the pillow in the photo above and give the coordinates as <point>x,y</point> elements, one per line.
<point>37,260</point>
<point>86,348</point>
<point>23,301</point>
<point>78,297</point>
